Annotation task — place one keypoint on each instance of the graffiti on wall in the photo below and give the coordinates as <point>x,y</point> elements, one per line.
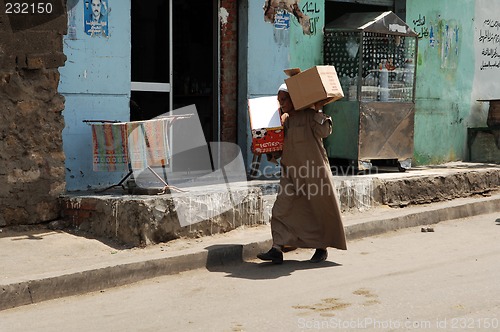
<point>420,28</point>
<point>314,16</point>
<point>278,12</point>
<point>443,35</point>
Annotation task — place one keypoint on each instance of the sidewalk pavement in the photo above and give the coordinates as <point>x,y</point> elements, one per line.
<point>39,264</point>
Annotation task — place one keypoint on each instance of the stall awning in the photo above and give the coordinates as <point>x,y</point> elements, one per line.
<point>379,22</point>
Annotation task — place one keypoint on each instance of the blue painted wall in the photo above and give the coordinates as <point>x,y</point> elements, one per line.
<point>96,84</point>
<point>270,50</point>
<point>268,53</point>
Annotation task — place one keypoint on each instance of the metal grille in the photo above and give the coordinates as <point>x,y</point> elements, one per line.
<point>378,66</point>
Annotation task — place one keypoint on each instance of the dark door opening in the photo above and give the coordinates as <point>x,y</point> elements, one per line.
<point>335,9</point>
<point>192,78</point>
<point>150,58</point>
<point>194,30</point>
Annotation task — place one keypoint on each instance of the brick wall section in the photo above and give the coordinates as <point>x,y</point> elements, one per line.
<point>32,174</point>
<point>229,70</point>
<point>77,213</point>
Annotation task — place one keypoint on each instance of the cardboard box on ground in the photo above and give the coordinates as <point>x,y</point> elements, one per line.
<point>314,87</point>
<point>265,124</point>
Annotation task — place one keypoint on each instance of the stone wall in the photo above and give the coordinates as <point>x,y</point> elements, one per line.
<point>32,174</point>
<point>141,220</point>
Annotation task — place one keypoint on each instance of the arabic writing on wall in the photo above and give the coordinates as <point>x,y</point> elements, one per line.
<point>96,17</point>
<point>420,28</point>
<point>278,13</point>
<point>486,85</point>
<point>444,35</point>
<point>489,40</point>
<point>314,16</point>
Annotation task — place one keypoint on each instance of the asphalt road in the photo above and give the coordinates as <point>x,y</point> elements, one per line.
<point>446,280</point>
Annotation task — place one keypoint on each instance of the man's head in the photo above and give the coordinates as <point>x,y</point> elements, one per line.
<point>284,99</point>
<point>96,9</point>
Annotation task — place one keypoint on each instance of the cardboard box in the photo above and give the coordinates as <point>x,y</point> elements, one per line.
<point>265,125</point>
<point>313,88</point>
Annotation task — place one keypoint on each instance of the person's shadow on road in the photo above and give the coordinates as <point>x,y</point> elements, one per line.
<point>229,259</point>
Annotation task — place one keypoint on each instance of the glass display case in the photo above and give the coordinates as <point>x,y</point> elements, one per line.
<point>374,55</point>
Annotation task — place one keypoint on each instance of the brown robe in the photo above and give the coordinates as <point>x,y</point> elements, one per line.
<point>306,213</point>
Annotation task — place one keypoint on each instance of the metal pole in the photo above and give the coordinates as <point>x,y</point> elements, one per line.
<point>171,53</point>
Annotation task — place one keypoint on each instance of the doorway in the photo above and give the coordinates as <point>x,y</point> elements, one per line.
<point>336,8</point>
<point>174,59</point>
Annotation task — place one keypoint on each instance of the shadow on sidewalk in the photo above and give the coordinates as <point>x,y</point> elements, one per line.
<point>26,232</point>
<point>229,259</point>
<point>40,232</point>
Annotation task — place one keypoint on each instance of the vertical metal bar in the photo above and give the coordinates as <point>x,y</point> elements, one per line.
<point>171,53</point>
<point>217,67</point>
<point>360,67</point>
<point>170,133</point>
<point>217,42</point>
<point>415,57</point>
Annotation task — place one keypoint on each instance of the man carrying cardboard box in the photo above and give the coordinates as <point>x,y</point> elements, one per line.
<point>306,212</point>
<point>314,87</point>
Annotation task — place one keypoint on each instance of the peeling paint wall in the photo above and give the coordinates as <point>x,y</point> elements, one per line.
<point>445,75</point>
<point>96,84</point>
<point>306,49</point>
<point>278,12</point>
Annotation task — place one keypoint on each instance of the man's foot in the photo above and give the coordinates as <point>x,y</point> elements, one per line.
<point>319,256</point>
<point>288,248</point>
<point>274,255</point>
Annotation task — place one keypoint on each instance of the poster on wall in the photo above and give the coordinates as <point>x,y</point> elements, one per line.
<point>282,20</point>
<point>487,50</point>
<point>96,17</point>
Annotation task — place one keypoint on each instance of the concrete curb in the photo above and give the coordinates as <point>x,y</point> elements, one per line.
<point>38,290</point>
<point>427,216</point>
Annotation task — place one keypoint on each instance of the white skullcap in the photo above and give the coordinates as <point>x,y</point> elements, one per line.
<point>283,87</point>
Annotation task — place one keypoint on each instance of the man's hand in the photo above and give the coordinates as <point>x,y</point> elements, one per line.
<point>284,116</point>
<point>321,118</point>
